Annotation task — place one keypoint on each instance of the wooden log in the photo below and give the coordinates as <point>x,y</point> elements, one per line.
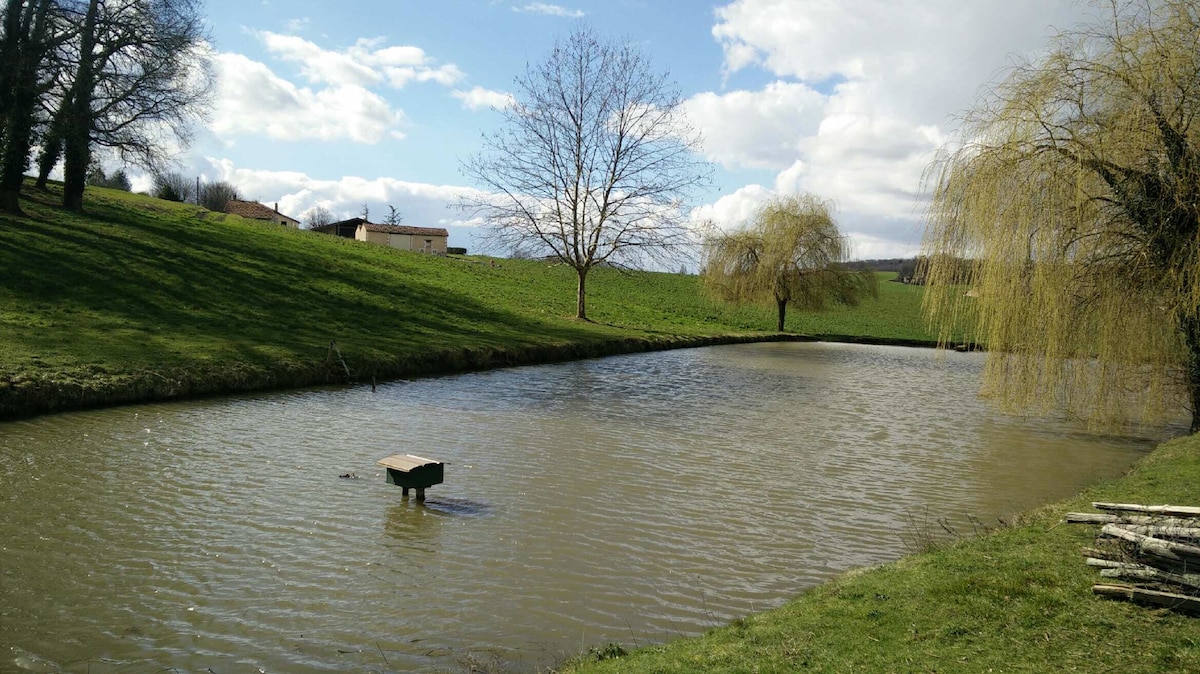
<point>1109,563</point>
<point>1090,518</point>
<point>1169,510</point>
<point>1177,552</point>
<point>1142,572</point>
<point>1161,531</point>
<point>1170,600</point>
<point>1104,518</point>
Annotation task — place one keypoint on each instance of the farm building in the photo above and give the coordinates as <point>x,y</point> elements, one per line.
<point>257,211</point>
<point>403,237</point>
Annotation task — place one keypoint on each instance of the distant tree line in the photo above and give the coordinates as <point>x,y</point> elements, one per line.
<point>128,77</point>
<point>912,269</point>
<point>884,264</point>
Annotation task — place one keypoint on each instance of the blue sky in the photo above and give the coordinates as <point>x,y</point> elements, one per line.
<point>376,102</point>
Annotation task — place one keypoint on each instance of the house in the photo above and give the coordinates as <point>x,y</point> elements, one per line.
<point>344,229</point>
<point>403,237</point>
<point>257,211</point>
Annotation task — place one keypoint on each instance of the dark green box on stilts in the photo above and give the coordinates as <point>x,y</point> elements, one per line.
<point>413,472</point>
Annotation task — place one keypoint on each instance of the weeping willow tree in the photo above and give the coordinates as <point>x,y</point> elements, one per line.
<point>1076,188</point>
<point>791,253</point>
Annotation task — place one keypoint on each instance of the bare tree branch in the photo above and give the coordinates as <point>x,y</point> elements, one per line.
<point>594,165</point>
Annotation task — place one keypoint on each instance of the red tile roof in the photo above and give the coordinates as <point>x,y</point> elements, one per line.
<point>405,229</point>
<point>253,210</point>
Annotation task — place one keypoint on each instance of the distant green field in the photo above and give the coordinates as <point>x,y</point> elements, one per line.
<point>895,315</point>
<point>158,299</point>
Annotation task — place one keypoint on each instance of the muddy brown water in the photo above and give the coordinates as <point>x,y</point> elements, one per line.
<point>634,499</point>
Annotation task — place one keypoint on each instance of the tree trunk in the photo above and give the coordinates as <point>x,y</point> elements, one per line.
<point>79,119</point>
<point>10,202</point>
<point>1191,338</point>
<point>51,153</point>
<point>782,312</point>
<point>581,298</point>
<point>24,51</point>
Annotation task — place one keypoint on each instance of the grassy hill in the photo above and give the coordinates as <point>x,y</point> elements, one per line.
<point>144,299</point>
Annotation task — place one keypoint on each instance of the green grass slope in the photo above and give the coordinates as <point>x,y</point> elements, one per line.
<point>1016,600</point>
<point>144,299</point>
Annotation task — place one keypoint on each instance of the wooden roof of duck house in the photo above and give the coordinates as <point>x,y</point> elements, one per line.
<point>413,472</point>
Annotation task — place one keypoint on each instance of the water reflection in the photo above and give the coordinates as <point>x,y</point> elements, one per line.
<point>635,498</point>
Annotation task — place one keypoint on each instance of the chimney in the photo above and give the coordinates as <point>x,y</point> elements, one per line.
<point>276,206</point>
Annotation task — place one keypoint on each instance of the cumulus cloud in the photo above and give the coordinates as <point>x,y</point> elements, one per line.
<point>478,98</point>
<point>251,99</point>
<point>366,63</point>
<point>757,129</point>
<point>865,92</point>
<point>550,10</point>
<point>340,101</point>
<point>422,204</point>
<point>733,211</point>
<point>927,53</point>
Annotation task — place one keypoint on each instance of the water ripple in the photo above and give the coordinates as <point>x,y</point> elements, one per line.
<point>629,499</point>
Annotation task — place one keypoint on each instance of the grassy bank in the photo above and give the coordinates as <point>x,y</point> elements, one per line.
<point>1017,600</point>
<point>143,299</point>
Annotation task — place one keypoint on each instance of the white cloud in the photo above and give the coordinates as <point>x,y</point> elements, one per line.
<point>317,65</point>
<point>422,204</point>
<point>298,24</point>
<point>366,63</point>
<point>867,247</point>
<point>478,98</point>
<point>253,100</point>
<point>756,129</point>
<point>735,210</point>
<point>550,10</point>
<point>915,48</point>
<point>865,92</point>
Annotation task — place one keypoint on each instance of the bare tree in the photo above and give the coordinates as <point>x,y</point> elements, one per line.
<point>173,187</point>
<point>595,163</point>
<point>317,216</point>
<point>216,196</point>
<point>1075,187</point>
<point>393,217</point>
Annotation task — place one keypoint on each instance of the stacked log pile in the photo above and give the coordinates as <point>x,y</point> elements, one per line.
<point>1154,549</point>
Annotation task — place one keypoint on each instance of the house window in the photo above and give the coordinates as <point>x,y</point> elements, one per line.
<point>428,245</point>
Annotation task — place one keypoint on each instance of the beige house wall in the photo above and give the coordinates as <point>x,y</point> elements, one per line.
<point>401,241</point>
<point>362,234</point>
<point>425,244</point>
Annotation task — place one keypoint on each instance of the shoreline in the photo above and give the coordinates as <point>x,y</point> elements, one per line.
<point>30,393</point>
<point>1017,597</point>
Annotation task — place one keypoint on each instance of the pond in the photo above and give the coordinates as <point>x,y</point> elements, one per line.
<point>634,499</point>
